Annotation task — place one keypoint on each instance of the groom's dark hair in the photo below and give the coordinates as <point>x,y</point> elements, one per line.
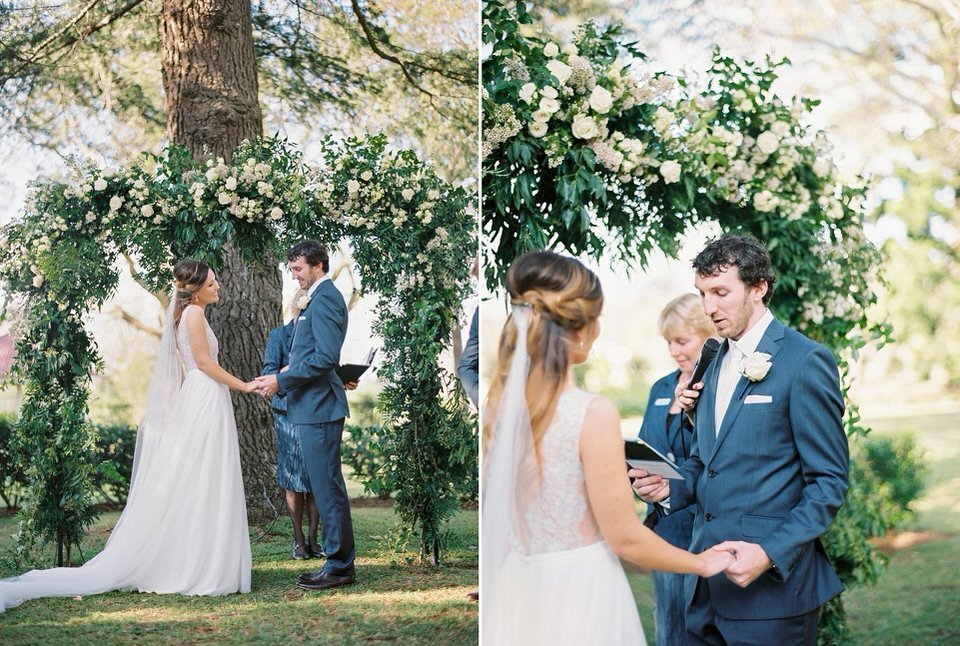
<point>311,251</point>
<point>746,253</point>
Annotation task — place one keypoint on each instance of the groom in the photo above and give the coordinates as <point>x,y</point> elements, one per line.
<point>768,470</point>
<point>317,406</point>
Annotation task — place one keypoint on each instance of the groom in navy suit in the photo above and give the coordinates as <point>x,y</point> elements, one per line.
<point>317,406</point>
<point>769,462</point>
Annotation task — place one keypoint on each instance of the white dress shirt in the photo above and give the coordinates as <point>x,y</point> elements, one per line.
<point>731,367</point>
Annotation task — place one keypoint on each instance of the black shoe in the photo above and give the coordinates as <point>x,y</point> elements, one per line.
<point>324,581</point>
<point>304,576</point>
<point>317,551</point>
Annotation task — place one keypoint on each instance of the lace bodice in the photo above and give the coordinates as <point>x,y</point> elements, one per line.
<point>558,517</point>
<point>183,340</point>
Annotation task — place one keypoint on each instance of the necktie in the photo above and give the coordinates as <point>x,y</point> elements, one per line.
<point>727,382</point>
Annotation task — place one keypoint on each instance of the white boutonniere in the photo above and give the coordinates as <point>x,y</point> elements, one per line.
<point>756,366</point>
<point>303,302</point>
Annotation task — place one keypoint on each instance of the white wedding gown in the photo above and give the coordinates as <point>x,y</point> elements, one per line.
<point>561,584</point>
<point>184,527</point>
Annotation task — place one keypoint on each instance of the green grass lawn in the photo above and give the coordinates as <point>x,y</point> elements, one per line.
<point>392,601</point>
<point>917,600</point>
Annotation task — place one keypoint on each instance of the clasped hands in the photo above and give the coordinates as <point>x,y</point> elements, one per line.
<point>266,386</point>
<point>749,559</point>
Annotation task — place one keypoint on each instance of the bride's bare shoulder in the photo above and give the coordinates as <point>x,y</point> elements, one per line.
<point>602,416</point>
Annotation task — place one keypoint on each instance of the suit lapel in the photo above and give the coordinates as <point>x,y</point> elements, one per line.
<point>770,344</point>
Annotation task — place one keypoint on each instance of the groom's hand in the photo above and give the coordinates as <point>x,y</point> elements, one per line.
<point>750,563</point>
<point>649,488</point>
<point>267,385</point>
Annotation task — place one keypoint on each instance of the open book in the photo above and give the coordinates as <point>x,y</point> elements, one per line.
<point>641,455</point>
<point>351,371</point>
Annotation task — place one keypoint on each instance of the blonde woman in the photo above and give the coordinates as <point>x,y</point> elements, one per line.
<point>684,327</point>
<point>557,506</point>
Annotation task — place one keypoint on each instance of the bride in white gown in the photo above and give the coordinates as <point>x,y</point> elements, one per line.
<point>557,506</point>
<point>184,527</point>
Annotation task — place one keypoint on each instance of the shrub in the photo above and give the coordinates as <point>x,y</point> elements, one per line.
<point>898,462</point>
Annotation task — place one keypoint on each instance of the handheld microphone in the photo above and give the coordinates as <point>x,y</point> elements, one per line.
<point>707,353</point>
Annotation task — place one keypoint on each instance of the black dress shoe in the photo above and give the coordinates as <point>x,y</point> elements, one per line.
<point>304,576</point>
<point>324,581</point>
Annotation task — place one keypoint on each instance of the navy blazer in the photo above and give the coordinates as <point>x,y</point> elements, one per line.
<point>313,389</point>
<point>275,356</point>
<point>775,475</point>
<point>675,527</point>
<point>469,367</point>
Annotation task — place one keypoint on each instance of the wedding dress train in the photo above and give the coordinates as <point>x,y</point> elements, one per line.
<point>184,527</point>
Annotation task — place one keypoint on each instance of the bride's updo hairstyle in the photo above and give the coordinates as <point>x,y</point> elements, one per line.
<point>188,277</point>
<point>563,297</point>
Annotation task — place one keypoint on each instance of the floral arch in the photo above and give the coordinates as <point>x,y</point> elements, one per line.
<point>411,235</point>
<point>588,148</point>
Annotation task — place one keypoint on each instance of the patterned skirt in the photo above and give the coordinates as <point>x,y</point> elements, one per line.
<point>291,470</point>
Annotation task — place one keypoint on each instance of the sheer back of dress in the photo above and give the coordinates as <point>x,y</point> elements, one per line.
<point>558,515</point>
<point>183,340</point>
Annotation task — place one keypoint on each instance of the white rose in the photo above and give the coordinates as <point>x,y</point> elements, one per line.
<point>211,174</point>
<point>353,186</point>
<point>276,213</point>
<point>670,170</point>
<point>366,176</point>
<point>601,100</point>
<point>527,30</point>
<point>100,184</point>
<point>542,116</point>
<point>527,91</point>
<point>537,128</point>
<point>146,211</point>
<point>549,105</point>
<point>745,106</point>
<point>560,70</point>
<point>407,194</point>
<point>584,127</point>
<point>303,302</point>
<point>570,49</point>
<point>663,119</point>
<point>231,183</point>
<point>224,198</point>
<point>550,92</point>
<point>704,102</point>
<point>780,128</point>
<point>756,366</point>
<point>116,202</point>
<point>433,194</point>
<point>764,201</point>
<point>768,142</point>
<point>37,280</point>
<point>550,50</point>
<point>821,167</point>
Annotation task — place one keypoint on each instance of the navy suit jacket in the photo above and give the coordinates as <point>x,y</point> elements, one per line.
<point>275,356</point>
<point>311,385</point>
<point>469,367</point>
<point>675,527</point>
<point>775,475</point>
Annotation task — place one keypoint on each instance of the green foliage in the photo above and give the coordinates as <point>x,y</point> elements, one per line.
<point>115,445</point>
<point>412,236</point>
<point>898,463</point>
<point>12,479</point>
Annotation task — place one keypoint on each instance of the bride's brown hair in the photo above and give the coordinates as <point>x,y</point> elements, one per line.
<point>563,296</point>
<point>188,277</point>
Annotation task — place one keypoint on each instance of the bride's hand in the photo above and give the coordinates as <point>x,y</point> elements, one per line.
<point>250,387</point>
<point>714,561</point>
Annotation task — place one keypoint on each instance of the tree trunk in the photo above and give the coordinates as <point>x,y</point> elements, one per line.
<point>212,104</point>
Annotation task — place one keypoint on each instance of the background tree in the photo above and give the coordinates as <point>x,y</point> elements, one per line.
<point>83,77</point>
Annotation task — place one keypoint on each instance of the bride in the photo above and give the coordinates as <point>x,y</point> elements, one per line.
<point>184,527</point>
<point>557,506</point>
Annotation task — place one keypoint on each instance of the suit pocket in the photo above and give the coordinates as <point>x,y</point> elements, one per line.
<point>759,526</point>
